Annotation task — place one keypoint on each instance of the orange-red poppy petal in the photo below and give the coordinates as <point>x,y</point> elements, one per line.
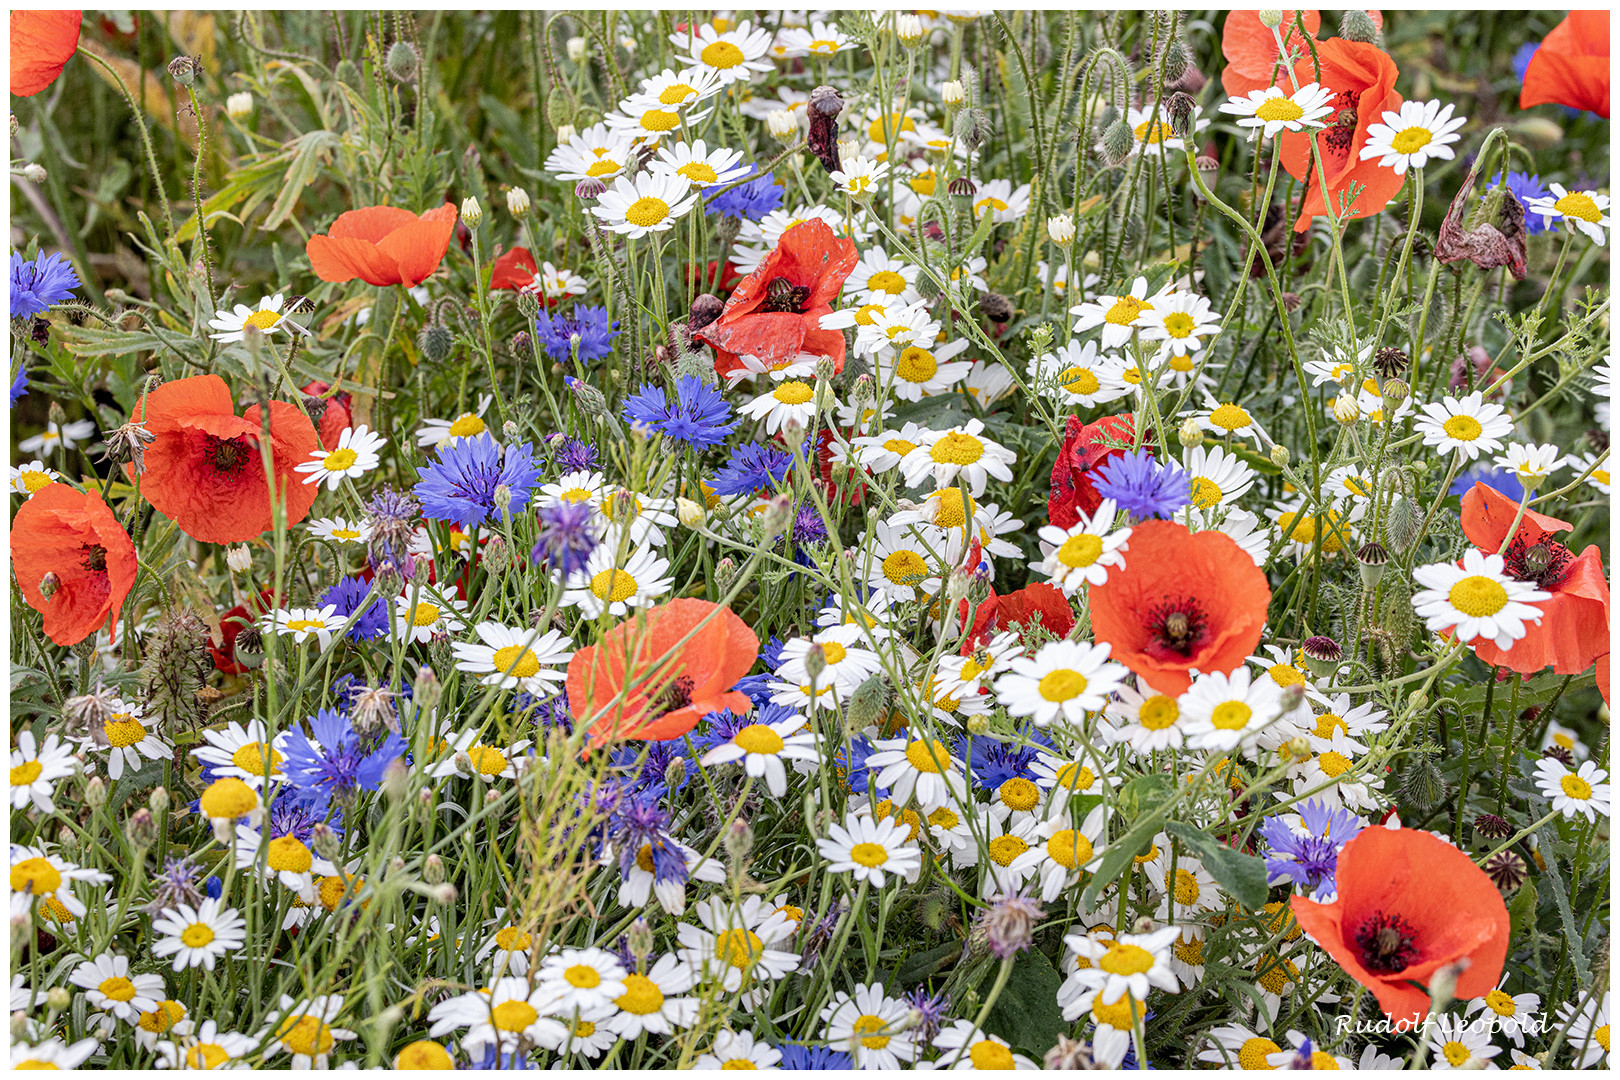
<point>370,223</point>
<point>1487,515</point>
<point>51,534</point>
<point>346,258</point>
<point>512,269</point>
<point>1250,49</point>
<point>1572,66</point>
<point>419,247</point>
<point>42,42</point>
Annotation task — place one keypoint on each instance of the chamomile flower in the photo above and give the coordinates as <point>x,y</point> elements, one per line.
<point>880,275</point>
<point>58,437</point>
<point>1470,425</point>
<point>1509,1012</point>
<point>681,89</point>
<point>1078,373</point>
<point>1118,315</point>
<point>887,448</point>
<point>1410,138</point>
<point>959,455</point>
<point>734,55</point>
<point>1580,793</point>
<point>1128,962</point>
<point>1566,738</point>
<point>607,585</point>
<point>339,530</point>
<point>963,1046</point>
<point>763,748</point>
<point>870,1027</point>
<point>35,768</point>
<point>353,457</point>
<point>818,39</point>
<point>515,658</point>
<point>1585,210</point>
<point>205,1047</point>
<point>37,875</point>
<point>859,177</point>
<point>129,739</point>
<point>1082,554</point>
<point>904,559</point>
<point>595,153</point>
<point>587,1034</point>
<point>1224,711</point>
<point>1458,1043</point>
<point>1186,887</point>
<point>920,770</point>
<point>1059,852</point>
<point>1216,476</point>
<point>1593,468</point>
<point>28,478</point>
<point>650,121</point>
<point>425,611</point>
<point>1154,135</point>
<point>892,329</point>
<point>987,382</point>
<point>581,979</point>
<point>1001,200</point>
<point>510,1014</point>
<point>466,755</point>
<point>304,623</point>
<point>1180,322</point>
<point>1239,1046</point>
<point>1301,1048</point>
<point>284,858</point>
<point>738,941</point>
<point>1063,681</point>
<point>1530,462</point>
<point>868,848</point>
<point>789,400</point>
<point>1329,777</point>
<point>1586,1029</point>
<point>738,1050</point>
<point>1273,110</point>
<point>699,165</point>
<point>651,1002</point>
<point>650,203</point>
<point>51,1054</point>
<point>1145,720</point>
<point>242,750</point>
<point>230,326</point>
<point>916,371</point>
<point>466,425</point>
<point>108,985</point>
<point>1478,599</point>
<point>198,936</point>
<point>1115,1021</point>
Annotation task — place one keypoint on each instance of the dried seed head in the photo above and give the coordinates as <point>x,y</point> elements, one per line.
<point>185,69</point>
<point>1390,361</point>
<point>1493,827</point>
<point>1507,870</point>
<point>705,309</point>
<point>1181,108</point>
<point>962,187</point>
<point>996,308</point>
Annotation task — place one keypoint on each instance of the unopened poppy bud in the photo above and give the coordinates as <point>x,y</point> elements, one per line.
<point>141,829</point>
<point>1060,229</point>
<point>1175,61</point>
<point>34,173</point>
<point>435,342</point>
<point>1443,983</point>
<point>471,212</point>
<point>517,201</point>
<point>95,793</point>
<point>782,126</point>
<point>1117,142</point>
<point>49,583</point>
<point>996,308</point>
<point>183,70</point>
<point>239,558</point>
<point>953,93</point>
<point>909,29</point>
<point>1191,434</point>
<point>868,701</point>
<point>1358,25</point>
<point>402,61</point>
<point>325,841</point>
<point>59,998</point>
<point>1270,18</point>
<point>639,939</point>
<point>1280,456</point>
<point>690,513</point>
<point>239,106</point>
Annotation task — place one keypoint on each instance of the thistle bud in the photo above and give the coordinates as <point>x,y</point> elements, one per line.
<point>1358,26</point>
<point>239,558</point>
<point>471,212</point>
<point>1280,456</point>
<point>953,94</point>
<point>1270,18</point>
<point>433,870</point>
<point>1060,229</point>
<point>1117,142</point>
<point>517,201</point>
<point>184,70</point>
<point>1191,434</point>
<point>401,62</point>
<point>141,829</point>
<point>239,106</point>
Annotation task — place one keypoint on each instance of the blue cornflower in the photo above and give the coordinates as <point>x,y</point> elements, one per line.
<point>544,713</point>
<point>931,1011</point>
<point>496,1058</point>
<point>1310,860</point>
<point>697,416</point>
<point>1143,488</point>
<point>645,765</point>
<point>994,762</point>
<point>757,687</point>
<point>751,200</point>
<point>39,283</point>
<point>753,468</point>
<point>214,887</point>
<point>464,484</point>
<point>571,455</point>
<point>1505,481</point>
<point>809,527</point>
<point>771,653</point>
<point>721,727</point>
<point>1527,186</point>
<point>586,324</point>
<point>294,814</point>
<point>639,828</point>
<point>337,761</point>
<point>814,1058</point>
<point>19,384</point>
<point>566,538</point>
<point>860,776</point>
<point>347,595</point>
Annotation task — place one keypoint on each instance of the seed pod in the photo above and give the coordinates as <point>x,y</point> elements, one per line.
<point>996,308</point>
<point>705,309</point>
<point>591,187</point>
<point>184,70</point>
<point>1371,557</point>
<point>1180,107</point>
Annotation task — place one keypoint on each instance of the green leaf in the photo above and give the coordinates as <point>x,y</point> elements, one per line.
<point>1244,876</point>
<point>1027,1014</point>
<point>1119,853</point>
<point>1522,911</point>
<point>919,966</point>
<point>1142,794</point>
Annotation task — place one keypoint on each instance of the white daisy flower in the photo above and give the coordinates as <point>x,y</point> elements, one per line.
<point>869,847</point>
<point>1223,711</point>
<point>870,1027</point>
<point>466,425</point>
<point>465,755</point>
<point>987,382</point>
<point>1508,1011</point>
<point>1063,680</point>
<point>732,55</point>
<point>581,979</point>
<point>1078,373</point>
<point>1478,599</point>
<point>763,749</point>
<point>304,623</point>
<point>1081,554</point>
<point>206,1047</point>
<point>1585,210</point>
<point>339,530</point>
<point>424,611</point>
<point>651,203</point>
<point>510,1014</point>
<point>917,770</point>
<point>886,449</point>
<point>651,1003</point>
<point>37,875</point>
<point>35,767</point>
<point>1117,315</point>
<point>198,936</point>
<point>1342,719</point>
<point>243,751</point>
<point>737,941</point>
<point>595,153</point>
<point>700,166</point>
<point>1582,793</point>
<point>1145,721</point>
<point>999,198</point>
<point>647,876</point>
<point>738,1050</point>
<point>56,437</point>
<point>28,478</point>
<point>1241,1047</point>
<point>1153,134</point>
<point>1274,110</point>
<point>1458,1043</point>
<point>1216,476</point>
<point>1566,738</point>
<point>1409,138</point>
<point>1319,1059</point>
<point>129,739</point>
<point>916,372</point>
<point>791,399</point>
<point>1530,462</point>
<point>963,1046</point>
<point>904,560</point>
<point>267,318</point>
<point>1059,852</point>
<point>515,658</point>
<point>878,275</point>
<point>355,455</point>
<point>1328,776</point>
<point>847,661</point>
<point>1180,321</point>
<point>1586,1029</point>
<point>820,39</point>
<point>859,177</point>
<point>51,1054</point>
<point>108,985</point>
<point>604,585</point>
<point>891,329</point>
<point>681,89</point>
<point>648,120</point>
<point>1187,886</point>
<point>1592,467</point>
<point>286,859</point>
<point>1470,425</point>
<point>959,452</point>
<point>1129,962</point>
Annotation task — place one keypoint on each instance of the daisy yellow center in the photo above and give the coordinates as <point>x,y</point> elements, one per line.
<point>1333,763</point>
<point>1062,685</point>
<point>647,211</point>
<point>833,652</point>
<point>117,988</point>
<point>1478,596</point>
<point>1321,1059</point>
<point>287,854</point>
<point>487,760</point>
<point>641,995</point>
<point>905,568</point>
<point>1152,131</point>
<point>1132,375</point>
<point>944,818</point>
<point>425,614</point>
<point>163,1017</point>
<point>196,935</point>
<point>467,425</point>
<point>1602,1037</point>
<point>721,54</point>
<point>1301,529</point>
<point>1252,1054</point>
<point>990,203</point>
<point>33,480</point>
<point>1277,976</point>
<point>1578,204</point>
<point>227,798</point>
<point>1116,1015</point>
<point>422,1055</point>
<point>1124,311</point>
<point>1231,715</point>
<point>644,859</point>
<point>338,460</point>
<point>990,1055</point>
<point>603,167</point>
<point>1501,1003</point>
<point>1158,712</point>
<point>1411,140</point>
<point>1179,325</point>
<point>26,773</point>
<point>1185,886</point>
<point>894,121</point>
<point>928,757</point>
<point>1575,787</point>
<point>1019,794</point>
<point>867,314</point>
<point>899,446</point>
<point>125,732</point>
<point>1601,476</point>
<point>35,875</point>
<point>739,1065</point>
<point>1328,723</point>
<point>345,534</point>
<point>1181,363</point>
<point>583,977</point>
<point>1075,777</point>
<point>511,939</point>
<point>575,495</point>
<point>866,1024</point>
<point>1078,380</point>
<point>1122,959</point>
<point>916,365</point>
<point>297,625</point>
<point>886,281</point>
<point>262,320</point>
<point>1205,492</point>
<point>793,392</point>
<point>249,757</point>
<point>513,1015</point>
<point>758,739</point>
<point>613,585</point>
<point>1230,417</point>
<point>1069,848</point>
<point>1188,952</point>
<point>1004,849</point>
<point>519,662</point>
<point>698,172</point>
<point>738,947</point>
<point>1080,551</point>
<point>869,854</point>
<point>1456,1053</point>
<point>1278,108</point>
<point>923,183</point>
<point>1463,428</point>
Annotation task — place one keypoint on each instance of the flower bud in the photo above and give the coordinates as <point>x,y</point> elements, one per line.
<point>691,513</point>
<point>445,894</point>
<point>588,398</point>
<point>725,572</point>
<point>1357,25</point>
<point>141,829</point>
<point>1394,392</point>
<point>1371,558</point>
<point>953,93</point>
<point>239,558</point>
<point>675,774</point>
<point>517,201</point>
<point>1175,61</point>
<point>239,106</point>
<point>433,870</point>
<point>576,49</point>
<point>1191,434</point>
<point>396,779</point>
<point>49,583</point>
<point>1290,698</point>
<point>1323,655</point>
<point>1270,18</point>
<point>58,998</point>
<point>435,342</point>
<point>739,842</point>
<point>962,188</point>
<point>815,662</point>
<point>639,939</point>
<point>1060,229</point>
<point>1297,749</point>
<point>471,212</point>
<point>782,125</point>
<point>401,62</point>
<point>909,29</point>
<point>1117,142</point>
<point>325,842</point>
<point>158,800</point>
<point>34,172</point>
<point>95,793</point>
<point>1181,108</point>
<point>1346,409</point>
<point>565,132</point>
<point>1280,456</point>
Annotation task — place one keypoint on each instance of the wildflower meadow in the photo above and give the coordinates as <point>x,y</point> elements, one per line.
<point>810,540</point>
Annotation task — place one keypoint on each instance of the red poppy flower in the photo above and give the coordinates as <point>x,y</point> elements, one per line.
<point>383,245</point>
<point>676,684</point>
<point>1409,904</point>
<point>1574,627</point>
<point>1086,448</point>
<point>72,535</point>
<point>204,469</point>
<point>42,42</point>
<point>1182,600</point>
<point>1250,49</point>
<point>1362,78</point>
<point>513,269</point>
<point>775,314</point>
<point>1571,67</point>
<point>1036,604</point>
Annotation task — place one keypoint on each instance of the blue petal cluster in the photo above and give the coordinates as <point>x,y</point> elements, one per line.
<point>38,283</point>
<point>461,486</point>
<point>696,414</point>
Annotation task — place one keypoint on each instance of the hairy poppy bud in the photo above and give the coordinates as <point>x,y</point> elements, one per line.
<point>1180,107</point>
<point>401,62</point>
<point>1422,783</point>
<point>433,870</point>
<point>973,129</point>
<point>1175,61</point>
<point>1358,25</point>
<point>1117,142</point>
<point>996,308</point>
<point>1401,524</point>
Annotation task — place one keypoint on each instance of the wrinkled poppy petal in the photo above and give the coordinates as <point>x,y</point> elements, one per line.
<point>383,245</point>
<point>512,269</point>
<point>74,536</point>
<point>344,259</point>
<point>419,247</point>
<point>1250,49</point>
<point>1487,515</point>
<point>370,223</point>
<point>42,42</point>
<point>1571,67</point>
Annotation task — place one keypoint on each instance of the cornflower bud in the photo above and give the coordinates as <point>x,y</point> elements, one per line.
<point>517,201</point>
<point>239,106</point>
<point>325,841</point>
<point>34,172</point>
<point>95,793</point>
<point>445,894</point>
<point>1060,229</point>
<point>725,572</point>
<point>426,691</point>
<point>471,212</point>
<point>396,779</point>
<point>158,800</point>
<point>639,938</point>
<point>433,870</point>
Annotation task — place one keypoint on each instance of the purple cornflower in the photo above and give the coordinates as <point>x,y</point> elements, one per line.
<point>347,595</point>
<point>757,687</point>
<point>337,761</point>
<point>695,414</point>
<point>392,516</point>
<point>1143,488</point>
<point>571,455</point>
<point>754,468</point>
<point>176,885</point>
<point>294,814</point>
<point>1311,860</point>
<point>1527,186</point>
<point>639,828</point>
<point>544,713</point>
<point>38,283</point>
<point>1009,924</point>
<point>750,200</point>
<point>932,1008</point>
<point>859,776</point>
<point>476,479</point>
<point>586,325</point>
<point>567,537</point>
<point>809,527</point>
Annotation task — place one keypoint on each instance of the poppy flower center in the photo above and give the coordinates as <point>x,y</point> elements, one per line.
<point>1080,551</point>
<point>1463,428</point>
<point>905,568</point>
<point>227,457</point>
<point>869,854</point>
<point>927,757</point>
<point>784,296</point>
<point>1386,943</point>
<point>1478,596</point>
<point>641,995</point>
<point>1080,381</point>
<point>262,320</point>
<point>1278,108</point>
<point>93,557</point>
<point>513,1015</point>
<point>1004,849</point>
<point>957,448</point>
<point>758,739</point>
<point>792,392</point>
<point>1575,787</point>
<point>1544,562</point>
<point>1069,849</point>
<point>1124,311</point>
<point>916,365</point>
<point>677,695</point>
<point>721,54</point>
<point>1578,204</point>
<point>36,876</point>
<point>1176,627</point>
<point>698,172</point>
<point>1178,325</point>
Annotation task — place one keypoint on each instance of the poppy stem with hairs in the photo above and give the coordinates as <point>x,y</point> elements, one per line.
<point>483,325</point>
<point>146,138</point>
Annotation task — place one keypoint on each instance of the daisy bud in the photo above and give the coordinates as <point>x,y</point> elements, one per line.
<point>690,513</point>
<point>239,106</point>
<point>953,94</point>
<point>401,62</point>
<point>639,938</point>
<point>517,201</point>
<point>59,998</point>
<point>1191,434</point>
<point>576,49</point>
<point>49,584</point>
<point>433,870</point>
<point>95,793</point>
<point>1296,749</point>
<point>1358,26</point>
<point>471,212</point>
<point>445,894</point>
<point>1394,392</point>
<point>1290,698</point>
<point>1117,142</point>
<point>239,558</point>
<point>158,800</point>
<point>793,431</point>
<point>1280,456</point>
<point>1060,229</point>
<point>909,29</point>
<point>1270,18</point>
<point>566,132</point>
<point>782,126</point>
<point>1346,410</point>
<point>141,829</point>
